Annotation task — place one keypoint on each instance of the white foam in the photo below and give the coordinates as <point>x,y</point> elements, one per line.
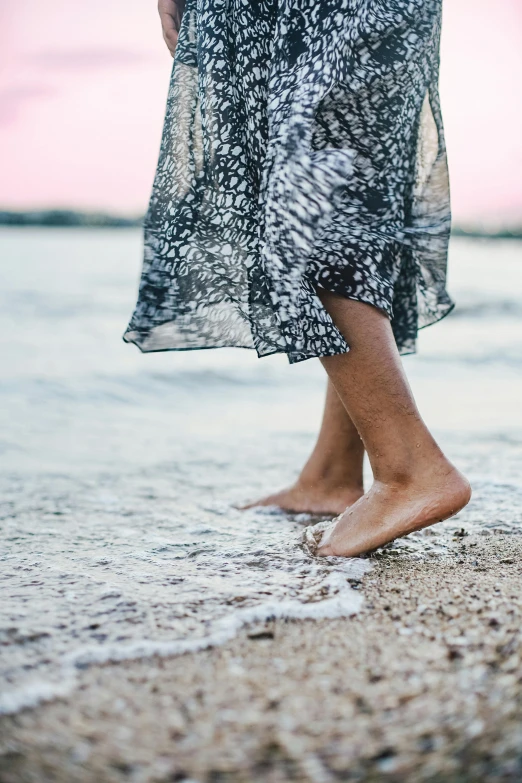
<point>35,693</point>
<point>345,603</point>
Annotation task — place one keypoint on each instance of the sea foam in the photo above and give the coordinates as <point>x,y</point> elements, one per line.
<point>345,602</point>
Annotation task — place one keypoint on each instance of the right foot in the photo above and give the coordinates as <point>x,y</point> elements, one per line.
<point>318,500</point>
<point>387,512</point>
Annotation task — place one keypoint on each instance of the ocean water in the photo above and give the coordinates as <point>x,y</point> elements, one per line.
<point>120,471</point>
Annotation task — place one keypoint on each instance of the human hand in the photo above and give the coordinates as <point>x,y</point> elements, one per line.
<point>170,12</point>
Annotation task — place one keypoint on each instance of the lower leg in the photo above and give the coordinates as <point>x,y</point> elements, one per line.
<point>414,484</point>
<point>332,478</point>
<point>337,458</point>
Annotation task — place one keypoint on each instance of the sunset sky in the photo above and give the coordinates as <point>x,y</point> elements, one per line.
<point>83,88</point>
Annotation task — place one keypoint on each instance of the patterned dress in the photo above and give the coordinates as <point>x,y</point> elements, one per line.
<point>302,148</point>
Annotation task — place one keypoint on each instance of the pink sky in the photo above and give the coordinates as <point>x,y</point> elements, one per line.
<point>83,88</point>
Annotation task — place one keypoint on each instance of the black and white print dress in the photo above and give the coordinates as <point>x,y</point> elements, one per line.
<point>303,147</point>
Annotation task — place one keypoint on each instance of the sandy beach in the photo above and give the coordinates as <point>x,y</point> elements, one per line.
<point>424,684</point>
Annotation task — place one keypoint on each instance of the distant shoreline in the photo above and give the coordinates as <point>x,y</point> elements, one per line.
<point>64,218</point>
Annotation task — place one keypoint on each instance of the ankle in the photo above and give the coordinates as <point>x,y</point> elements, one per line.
<point>332,478</point>
<point>415,472</point>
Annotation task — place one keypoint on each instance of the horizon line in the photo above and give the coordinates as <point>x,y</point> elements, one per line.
<point>59,217</point>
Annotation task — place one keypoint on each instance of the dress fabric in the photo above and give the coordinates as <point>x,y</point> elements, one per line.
<point>303,147</point>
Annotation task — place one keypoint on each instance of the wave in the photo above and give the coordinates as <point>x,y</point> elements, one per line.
<point>345,603</point>
<point>35,693</point>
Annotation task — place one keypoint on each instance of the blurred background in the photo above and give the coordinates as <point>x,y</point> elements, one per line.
<point>82,97</point>
<point>83,88</point>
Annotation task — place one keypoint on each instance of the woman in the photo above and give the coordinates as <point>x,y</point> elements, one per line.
<point>301,206</point>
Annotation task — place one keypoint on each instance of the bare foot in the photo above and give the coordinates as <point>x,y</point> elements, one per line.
<point>390,511</point>
<point>314,499</point>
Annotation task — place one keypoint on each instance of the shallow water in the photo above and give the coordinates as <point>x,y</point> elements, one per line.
<point>119,471</point>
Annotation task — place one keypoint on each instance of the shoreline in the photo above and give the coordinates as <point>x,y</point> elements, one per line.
<point>424,684</point>
<point>69,218</point>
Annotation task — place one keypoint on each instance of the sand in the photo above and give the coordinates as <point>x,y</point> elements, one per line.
<point>425,684</point>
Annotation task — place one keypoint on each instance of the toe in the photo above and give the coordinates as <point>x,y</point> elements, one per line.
<point>324,545</point>
<point>313,535</point>
<point>325,551</point>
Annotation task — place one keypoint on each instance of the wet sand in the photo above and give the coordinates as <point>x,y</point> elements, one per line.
<point>424,684</point>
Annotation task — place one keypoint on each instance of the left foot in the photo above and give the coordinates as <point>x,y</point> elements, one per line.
<point>390,511</point>
<point>318,499</point>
